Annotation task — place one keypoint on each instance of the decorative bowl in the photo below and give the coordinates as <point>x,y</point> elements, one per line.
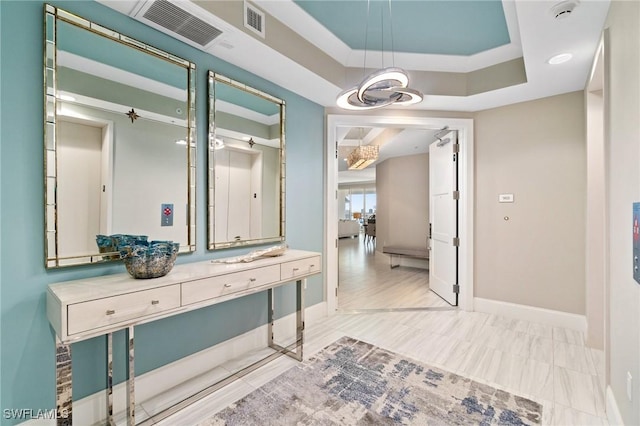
<point>110,243</point>
<point>149,259</point>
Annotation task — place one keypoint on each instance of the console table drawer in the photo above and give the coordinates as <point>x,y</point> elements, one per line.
<point>222,285</point>
<point>112,310</point>
<point>300,267</point>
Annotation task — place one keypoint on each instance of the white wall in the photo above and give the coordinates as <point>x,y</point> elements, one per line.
<point>535,150</point>
<point>402,187</point>
<point>623,124</point>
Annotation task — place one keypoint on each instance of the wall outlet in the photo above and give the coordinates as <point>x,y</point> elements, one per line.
<point>629,385</point>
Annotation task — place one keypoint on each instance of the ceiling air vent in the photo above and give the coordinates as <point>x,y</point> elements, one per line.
<point>177,20</point>
<point>254,19</point>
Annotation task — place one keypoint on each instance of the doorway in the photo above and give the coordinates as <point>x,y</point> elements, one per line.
<point>368,284</point>
<point>465,132</point>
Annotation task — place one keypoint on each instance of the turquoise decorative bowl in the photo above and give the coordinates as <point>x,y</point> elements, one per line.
<point>149,259</point>
<point>110,243</point>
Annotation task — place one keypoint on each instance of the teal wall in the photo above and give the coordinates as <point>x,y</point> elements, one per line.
<point>27,341</point>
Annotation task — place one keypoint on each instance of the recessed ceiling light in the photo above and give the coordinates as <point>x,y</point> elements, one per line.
<point>559,59</point>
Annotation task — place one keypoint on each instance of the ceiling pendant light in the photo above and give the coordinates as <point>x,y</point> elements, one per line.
<point>381,88</point>
<point>361,157</point>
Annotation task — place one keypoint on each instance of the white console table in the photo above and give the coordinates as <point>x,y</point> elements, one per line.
<point>82,309</point>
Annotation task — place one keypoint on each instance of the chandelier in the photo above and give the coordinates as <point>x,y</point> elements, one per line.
<point>362,156</point>
<point>381,88</point>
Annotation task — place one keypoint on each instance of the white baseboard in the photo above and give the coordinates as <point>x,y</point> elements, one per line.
<point>91,410</point>
<point>613,412</point>
<point>531,313</point>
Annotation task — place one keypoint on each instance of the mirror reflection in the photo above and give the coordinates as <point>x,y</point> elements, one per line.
<point>246,164</point>
<point>120,146</point>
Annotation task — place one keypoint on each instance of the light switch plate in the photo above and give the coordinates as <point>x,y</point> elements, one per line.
<point>505,198</point>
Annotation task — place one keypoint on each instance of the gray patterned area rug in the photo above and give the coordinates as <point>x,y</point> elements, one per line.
<point>355,383</point>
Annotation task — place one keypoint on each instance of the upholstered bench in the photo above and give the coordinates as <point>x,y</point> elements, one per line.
<point>416,253</point>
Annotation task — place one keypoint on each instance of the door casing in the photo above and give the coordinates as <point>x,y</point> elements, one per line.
<point>464,126</point>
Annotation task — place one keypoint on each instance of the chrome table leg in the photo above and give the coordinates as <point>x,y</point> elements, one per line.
<point>296,353</point>
<point>63,384</point>
<point>110,420</point>
<point>131,379</point>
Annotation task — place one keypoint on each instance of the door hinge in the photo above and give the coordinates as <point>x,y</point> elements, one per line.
<point>456,148</point>
<point>336,243</point>
<point>456,288</point>
<point>456,195</point>
<point>336,149</point>
<point>336,291</point>
<point>456,242</point>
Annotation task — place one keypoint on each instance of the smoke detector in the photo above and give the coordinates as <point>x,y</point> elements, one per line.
<point>564,9</point>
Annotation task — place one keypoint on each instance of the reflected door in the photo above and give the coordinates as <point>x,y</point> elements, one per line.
<point>443,211</point>
<point>239,220</point>
<point>239,190</point>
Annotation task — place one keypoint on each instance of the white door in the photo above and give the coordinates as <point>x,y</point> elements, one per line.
<point>239,220</point>
<point>79,187</point>
<point>443,218</point>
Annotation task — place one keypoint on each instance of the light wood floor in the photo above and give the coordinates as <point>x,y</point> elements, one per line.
<point>548,364</point>
<point>367,282</point>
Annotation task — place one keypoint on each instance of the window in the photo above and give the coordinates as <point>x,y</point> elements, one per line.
<point>357,203</point>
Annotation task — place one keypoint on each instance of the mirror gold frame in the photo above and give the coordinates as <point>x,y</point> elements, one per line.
<point>215,238</point>
<point>54,257</point>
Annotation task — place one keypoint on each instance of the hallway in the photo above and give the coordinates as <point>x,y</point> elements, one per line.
<point>367,282</point>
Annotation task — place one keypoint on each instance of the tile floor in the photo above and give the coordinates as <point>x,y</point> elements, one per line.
<point>548,364</point>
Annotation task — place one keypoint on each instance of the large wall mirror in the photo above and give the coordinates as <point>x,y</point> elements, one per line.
<point>246,165</point>
<point>120,143</point>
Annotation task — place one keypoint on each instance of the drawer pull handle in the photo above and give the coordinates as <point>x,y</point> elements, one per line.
<point>312,266</point>
<point>227,285</point>
<point>296,269</point>
<point>155,302</point>
<point>252,279</point>
<point>110,312</point>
